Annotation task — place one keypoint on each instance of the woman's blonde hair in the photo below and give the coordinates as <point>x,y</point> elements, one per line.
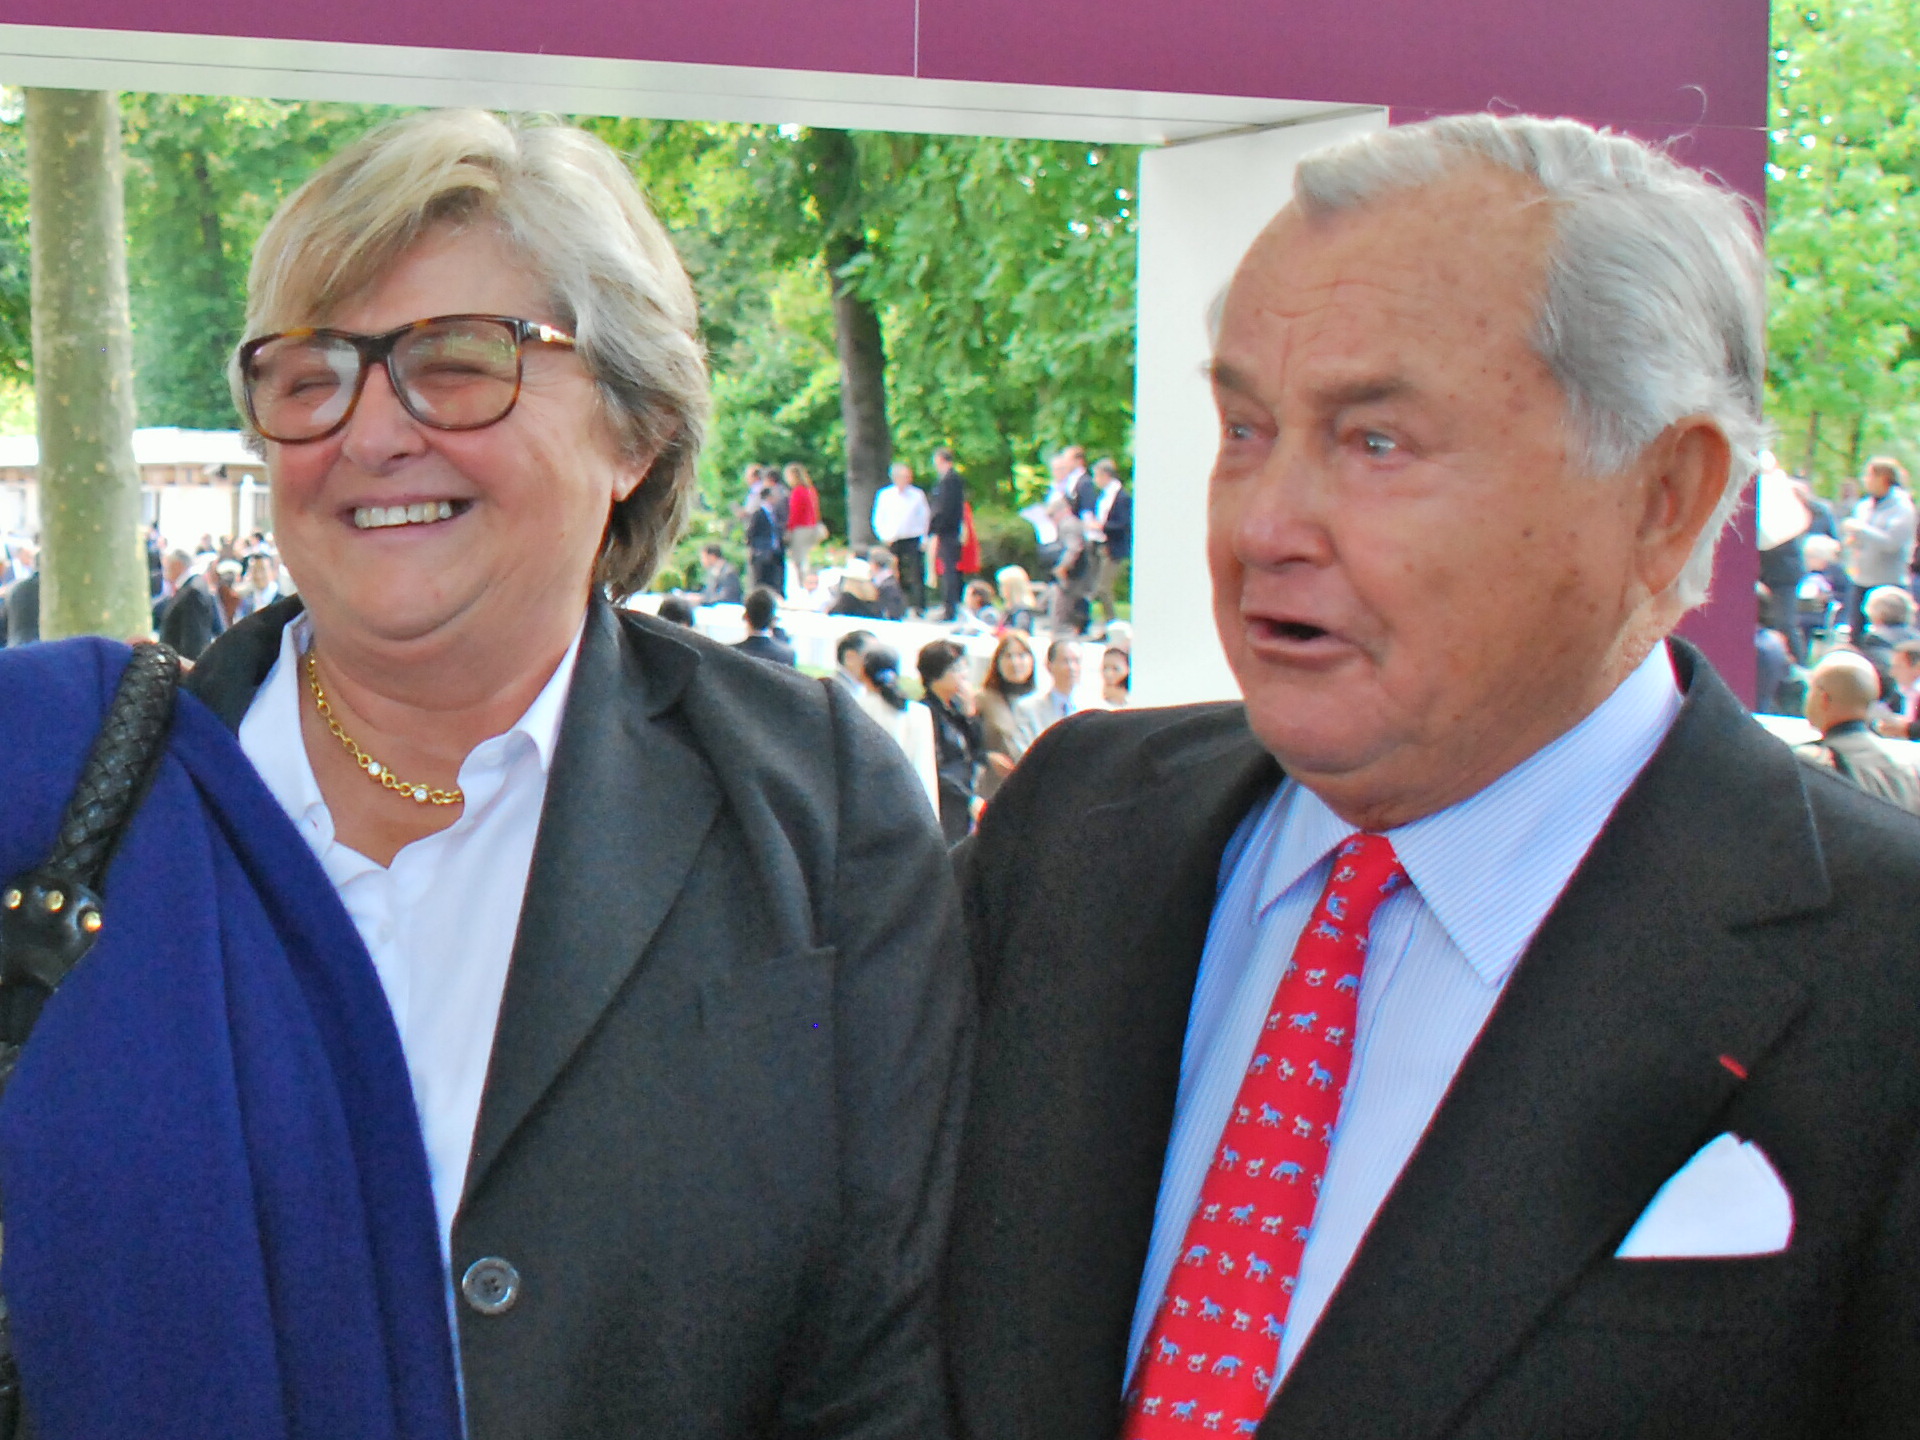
<point>1015,586</point>
<point>565,203</point>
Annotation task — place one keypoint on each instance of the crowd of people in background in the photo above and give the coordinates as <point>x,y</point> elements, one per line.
<point>195,594</point>
<point>925,562</point>
<point>1836,641</point>
<point>962,737</point>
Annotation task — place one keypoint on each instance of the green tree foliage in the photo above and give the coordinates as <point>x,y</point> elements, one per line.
<point>204,175</point>
<point>16,269</point>
<point>1002,272</point>
<point>1005,269</point>
<point>1844,368</point>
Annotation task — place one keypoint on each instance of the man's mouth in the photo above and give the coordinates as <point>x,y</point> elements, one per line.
<point>1293,630</point>
<point>422,512</point>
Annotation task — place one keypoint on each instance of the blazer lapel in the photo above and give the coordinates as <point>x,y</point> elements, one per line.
<point>227,677</point>
<point>629,801</point>
<point>1596,1078</point>
<point>1059,1202</point>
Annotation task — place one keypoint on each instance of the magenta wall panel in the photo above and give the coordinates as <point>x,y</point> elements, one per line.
<point>867,36</point>
<point>1651,61</point>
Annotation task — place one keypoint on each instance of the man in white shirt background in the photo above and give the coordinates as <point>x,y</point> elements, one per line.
<point>1448,1042</point>
<point>901,516</point>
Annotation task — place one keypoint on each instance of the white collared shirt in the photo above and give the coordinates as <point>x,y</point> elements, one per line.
<point>1485,872</point>
<point>901,514</point>
<point>440,920</point>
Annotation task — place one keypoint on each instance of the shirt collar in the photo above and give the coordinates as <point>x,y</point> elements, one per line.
<point>292,781</point>
<point>1527,832</point>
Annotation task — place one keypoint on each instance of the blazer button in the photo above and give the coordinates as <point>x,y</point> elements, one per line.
<point>490,1285</point>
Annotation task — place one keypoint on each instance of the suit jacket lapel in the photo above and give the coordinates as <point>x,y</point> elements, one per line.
<point>1596,1078</point>
<point>227,677</point>
<point>629,801</point>
<point>1073,1169</point>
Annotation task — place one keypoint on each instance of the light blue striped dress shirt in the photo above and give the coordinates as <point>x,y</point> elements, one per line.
<point>1485,873</point>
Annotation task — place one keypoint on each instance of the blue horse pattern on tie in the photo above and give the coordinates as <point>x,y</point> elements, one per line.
<point>1283,1123</point>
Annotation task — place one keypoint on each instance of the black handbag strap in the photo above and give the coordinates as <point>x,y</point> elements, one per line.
<point>51,916</point>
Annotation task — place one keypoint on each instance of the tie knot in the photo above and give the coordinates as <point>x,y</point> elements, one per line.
<point>1365,872</point>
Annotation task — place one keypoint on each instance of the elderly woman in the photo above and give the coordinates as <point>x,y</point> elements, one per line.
<point>665,933</point>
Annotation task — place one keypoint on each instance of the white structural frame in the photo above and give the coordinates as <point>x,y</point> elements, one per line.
<point>1224,167</point>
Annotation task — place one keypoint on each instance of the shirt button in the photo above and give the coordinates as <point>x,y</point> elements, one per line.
<point>490,1285</point>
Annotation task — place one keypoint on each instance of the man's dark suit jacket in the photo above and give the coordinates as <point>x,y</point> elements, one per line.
<point>717,1131</point>
<point>192,621</point>
<point>949,513</point>
<point>765,647</point>
<point>1737,905</point>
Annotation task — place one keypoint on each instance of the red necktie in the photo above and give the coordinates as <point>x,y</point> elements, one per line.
<point>1214,1348</point>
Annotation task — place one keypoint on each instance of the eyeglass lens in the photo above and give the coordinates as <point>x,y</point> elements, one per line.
<point>452,374</point>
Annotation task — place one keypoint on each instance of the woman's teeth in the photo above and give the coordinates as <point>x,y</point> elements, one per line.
<point>377,517</point>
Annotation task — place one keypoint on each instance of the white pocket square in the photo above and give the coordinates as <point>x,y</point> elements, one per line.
<point>1727,1200</point>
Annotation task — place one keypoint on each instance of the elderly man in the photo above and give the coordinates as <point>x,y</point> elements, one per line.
<point>1840,695</point>
<point>1452,1044</point>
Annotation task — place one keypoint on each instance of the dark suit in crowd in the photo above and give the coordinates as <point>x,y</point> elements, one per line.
<point>767,547</point>
<point>717,1132</point>
<point>1736,905</point>
<point>765,647</point>
<point>948,526</point>
<point>20,611</point>
<point>192,620</point>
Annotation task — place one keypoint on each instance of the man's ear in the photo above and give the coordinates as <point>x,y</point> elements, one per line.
<point>1683,476</point>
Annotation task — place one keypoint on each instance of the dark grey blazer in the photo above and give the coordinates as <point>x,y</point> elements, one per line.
<point>717,1133</point>
<point>1737,904</point>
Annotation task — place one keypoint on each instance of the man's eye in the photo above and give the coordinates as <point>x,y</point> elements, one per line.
<point>1378,446</point>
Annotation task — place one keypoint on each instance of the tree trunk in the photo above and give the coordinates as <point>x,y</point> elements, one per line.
<point>1813,446</point>
<point>94,576</point>
<point>863,399</point>
<point>1855,442</point>
<point>835,181</point>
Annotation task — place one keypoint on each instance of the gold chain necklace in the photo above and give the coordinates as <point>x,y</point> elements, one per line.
<point>380,774</point>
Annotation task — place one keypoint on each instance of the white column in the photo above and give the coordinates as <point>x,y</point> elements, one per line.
<point>1202,203</point>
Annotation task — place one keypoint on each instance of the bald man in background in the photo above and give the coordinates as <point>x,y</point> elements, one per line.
<point>1840,693</point>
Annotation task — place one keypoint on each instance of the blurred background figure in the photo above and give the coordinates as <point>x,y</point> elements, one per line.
<point>1879,533</point>
<point>1020,606</point>
<point>906,721</point>
<point>804,528</point>
<point>849,659</point>
<point>767,540</point>
<point>1054,704</point>
<point>1840,693</point>
<point>978,613</point>
<point>901,516</point>
<point>675,610</point>
<point>946,524</point>
<point>204,609</point>
<point>764,640</point>
<point>722,585</point>
<point>20,597</point>
<point>1010,680</point>
<point>1116,676</point>
<point>1111,530</point>
<point>957,743</point>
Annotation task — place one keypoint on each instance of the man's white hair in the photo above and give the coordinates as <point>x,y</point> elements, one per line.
<point>1655,303</point>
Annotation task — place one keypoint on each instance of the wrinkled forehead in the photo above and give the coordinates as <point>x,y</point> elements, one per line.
<point>1457,263</point>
